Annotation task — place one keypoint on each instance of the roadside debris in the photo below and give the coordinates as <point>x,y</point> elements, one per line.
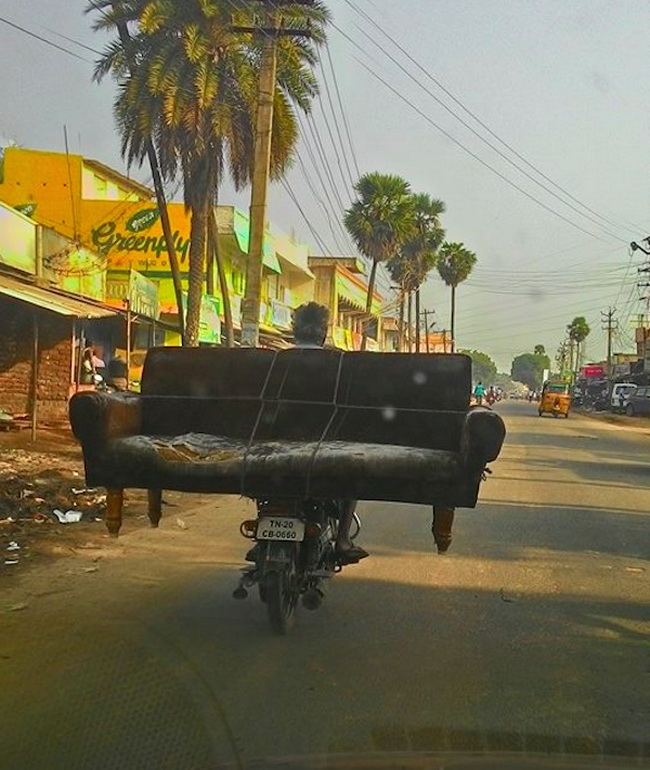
<point>69,517</point>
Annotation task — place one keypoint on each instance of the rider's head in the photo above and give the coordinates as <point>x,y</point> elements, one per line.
<point>310,324</point>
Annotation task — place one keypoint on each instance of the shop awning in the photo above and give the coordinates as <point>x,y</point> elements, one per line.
<point>51,300</point>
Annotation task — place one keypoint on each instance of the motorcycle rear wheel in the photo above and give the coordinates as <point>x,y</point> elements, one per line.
<point>281,599</point>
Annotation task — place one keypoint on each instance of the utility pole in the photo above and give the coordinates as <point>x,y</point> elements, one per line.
<point>271,29</point>
<point>426,330</point>
<point>609,325</point>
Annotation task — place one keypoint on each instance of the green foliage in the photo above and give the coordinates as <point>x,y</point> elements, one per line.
<point>483,367</point>
<point>187,84</point>
<point>455,263</point>
<point>578,329</point>
<point>419,255</point>
<point>539,350</point>
<point>529,369</point>
<point>382,218</point>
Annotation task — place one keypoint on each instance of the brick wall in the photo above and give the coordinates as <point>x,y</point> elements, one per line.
<point>16,346</point>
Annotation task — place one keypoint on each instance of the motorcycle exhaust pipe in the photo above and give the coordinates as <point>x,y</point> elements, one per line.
<point>312,599</point>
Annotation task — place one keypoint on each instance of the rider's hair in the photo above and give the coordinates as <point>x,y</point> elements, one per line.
<point>310,323</point>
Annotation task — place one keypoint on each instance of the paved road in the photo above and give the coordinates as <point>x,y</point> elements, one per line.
<point>532,632</point>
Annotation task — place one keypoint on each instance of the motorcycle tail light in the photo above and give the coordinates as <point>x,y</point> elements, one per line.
<point>248,528</point>
<point>312,529</point>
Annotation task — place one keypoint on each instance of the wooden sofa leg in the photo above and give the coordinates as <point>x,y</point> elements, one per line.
<point>443,520</point>
<point>155,506</point>
<point>114,500</point>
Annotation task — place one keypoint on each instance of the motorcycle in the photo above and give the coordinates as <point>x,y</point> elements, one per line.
<point>293,556</point>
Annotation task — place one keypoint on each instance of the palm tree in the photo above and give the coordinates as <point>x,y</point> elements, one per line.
<point>380,220</point>
<point>455,264</point>
<point>193,93</point>
<point>421,251</point>
<point>578,331</point>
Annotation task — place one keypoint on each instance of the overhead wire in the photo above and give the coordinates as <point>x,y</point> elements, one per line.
<point>475,117</point>
<point>467,150</point>
<point>44,40</point>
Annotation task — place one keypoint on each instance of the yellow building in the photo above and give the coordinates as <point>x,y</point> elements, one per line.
<point>342,286</point>
<point>111,214</point>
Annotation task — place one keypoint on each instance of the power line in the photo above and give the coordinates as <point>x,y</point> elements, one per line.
<point>477,157</point>
<point>313,231</point>
<point>337,127</point>
<point>474,116</point>
<point>332,207</point>
<point>346,123</point>
<point>44,40</point>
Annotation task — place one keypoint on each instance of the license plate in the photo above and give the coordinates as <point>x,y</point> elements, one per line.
<point>280,528</point>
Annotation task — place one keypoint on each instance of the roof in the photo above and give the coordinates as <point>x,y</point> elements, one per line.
<point>354,264</point>
<point>390,324</point>
<point>46,299</point>
<point>116,176</point>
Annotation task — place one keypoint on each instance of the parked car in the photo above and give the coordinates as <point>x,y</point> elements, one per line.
<point>621,392</point>
<point>639,402</point>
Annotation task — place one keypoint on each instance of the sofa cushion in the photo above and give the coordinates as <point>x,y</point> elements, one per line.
<point>205,462</point>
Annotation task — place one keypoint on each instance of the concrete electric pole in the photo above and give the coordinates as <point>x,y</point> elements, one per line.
<point>609,324</point>
<point>271,29</point>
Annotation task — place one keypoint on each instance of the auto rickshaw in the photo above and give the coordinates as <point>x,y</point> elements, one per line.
<point>555,399</point>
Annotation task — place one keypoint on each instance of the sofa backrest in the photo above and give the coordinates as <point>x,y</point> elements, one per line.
<point>302,394</point>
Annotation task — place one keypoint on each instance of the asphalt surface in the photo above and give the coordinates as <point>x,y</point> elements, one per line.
<point>531,634</point>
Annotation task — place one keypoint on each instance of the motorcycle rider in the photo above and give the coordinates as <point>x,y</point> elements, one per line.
<point>310,323</point>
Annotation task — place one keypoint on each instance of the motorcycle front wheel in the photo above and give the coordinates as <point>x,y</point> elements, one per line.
<point>281,590</point>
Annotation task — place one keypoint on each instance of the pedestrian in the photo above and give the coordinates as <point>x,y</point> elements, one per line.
<point>479,393</point>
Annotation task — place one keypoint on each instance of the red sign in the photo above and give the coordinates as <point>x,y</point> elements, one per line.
<point>593,372</point>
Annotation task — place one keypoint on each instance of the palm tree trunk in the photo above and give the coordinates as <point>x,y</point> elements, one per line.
<point>371,291</point>
<point>198,233</point>
<point>401,321</point>
<point>410,321</point>
<point>209,259</point>
<point>453,319</point>
<point>161,201</point>
<point>223,283</point>
<point>417,320</point>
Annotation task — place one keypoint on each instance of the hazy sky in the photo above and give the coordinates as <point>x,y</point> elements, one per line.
<point>565,83</point>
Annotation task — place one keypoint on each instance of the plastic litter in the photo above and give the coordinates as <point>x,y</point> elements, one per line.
<point>181,524</point>
<point>13,546</point>
<point>11,561</point>
<point>69,517</point>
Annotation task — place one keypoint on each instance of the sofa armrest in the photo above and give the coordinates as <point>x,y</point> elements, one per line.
<point>97,418</point>
<point>481,438</point>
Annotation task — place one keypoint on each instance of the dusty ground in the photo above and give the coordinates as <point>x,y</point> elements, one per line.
<point>35,480</point>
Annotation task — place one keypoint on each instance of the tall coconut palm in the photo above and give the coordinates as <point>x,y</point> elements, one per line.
<point>193,94</point>
<point>380,221</point>
<point>418,256</point>
<point>578,331</point>
<point>455,264</point>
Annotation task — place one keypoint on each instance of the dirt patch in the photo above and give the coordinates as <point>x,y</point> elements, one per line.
<point>637,424</point>
<point>43,493</point>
